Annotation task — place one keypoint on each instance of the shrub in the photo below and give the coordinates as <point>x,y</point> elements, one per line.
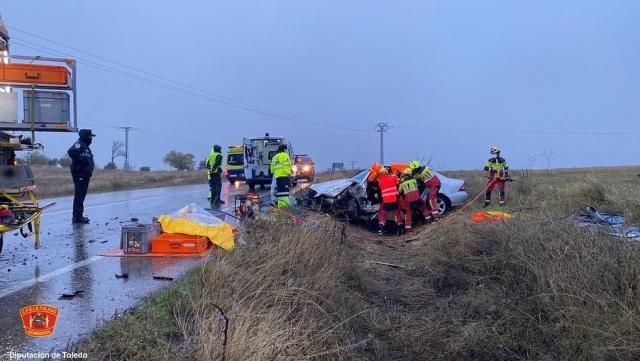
<point>180,161</point>
<point>65,161</point>
<point>36,158</point>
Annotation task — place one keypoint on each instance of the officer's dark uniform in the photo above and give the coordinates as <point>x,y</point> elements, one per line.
<point>81,170</point>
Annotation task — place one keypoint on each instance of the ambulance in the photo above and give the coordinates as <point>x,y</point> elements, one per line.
<point>258,153</point>
<point>235,163</point>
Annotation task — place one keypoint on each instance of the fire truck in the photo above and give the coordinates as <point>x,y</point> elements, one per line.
<point>44,89</point>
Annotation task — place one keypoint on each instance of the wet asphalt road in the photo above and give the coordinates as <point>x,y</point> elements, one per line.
<point>69,260</point>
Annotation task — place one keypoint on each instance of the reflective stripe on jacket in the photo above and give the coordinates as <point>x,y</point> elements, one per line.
<point>389,188</point>
<point>410,190</point>
<point>424,173</point>
<point>496,165</point>
<point>281,165</point>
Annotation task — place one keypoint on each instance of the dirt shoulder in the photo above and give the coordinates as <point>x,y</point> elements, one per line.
<point>53,181</point>
<point>531,288</point>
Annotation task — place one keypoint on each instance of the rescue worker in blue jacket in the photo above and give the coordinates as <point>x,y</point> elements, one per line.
<point>214,166</point>
<point>81,171</point>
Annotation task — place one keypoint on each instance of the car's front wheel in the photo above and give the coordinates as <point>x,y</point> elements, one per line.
<point>353,210</point>
<point>444,204</point>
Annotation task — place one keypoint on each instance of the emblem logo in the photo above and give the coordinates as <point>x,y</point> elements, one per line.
<point>39,320</point>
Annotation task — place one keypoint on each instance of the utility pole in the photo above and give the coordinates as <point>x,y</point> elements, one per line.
<point>353,164</point>
<point>382,128</point>
<point>126,145</point>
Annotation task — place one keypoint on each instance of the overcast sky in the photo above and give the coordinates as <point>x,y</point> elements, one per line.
<point>452,78</point>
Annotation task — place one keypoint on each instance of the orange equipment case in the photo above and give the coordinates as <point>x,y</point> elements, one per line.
<point>34,74</point>
<point>179,243</point>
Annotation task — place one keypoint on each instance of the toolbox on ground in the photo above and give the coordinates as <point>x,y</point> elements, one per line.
<point>179,243</point>
<point>136,237</point>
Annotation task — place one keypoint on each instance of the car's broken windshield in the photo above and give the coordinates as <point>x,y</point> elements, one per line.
<point>360,177</point>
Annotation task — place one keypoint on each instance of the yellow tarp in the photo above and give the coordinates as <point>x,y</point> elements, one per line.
<point>220,235</point>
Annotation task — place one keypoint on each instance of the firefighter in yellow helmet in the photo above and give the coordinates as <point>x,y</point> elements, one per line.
<point>412,202</point>
<point>497,171</point>
<point>282,169</point>
<point>423,173</point>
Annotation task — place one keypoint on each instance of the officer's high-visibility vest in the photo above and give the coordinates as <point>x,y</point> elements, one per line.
<point>212,161</point>
<point>281,165</point>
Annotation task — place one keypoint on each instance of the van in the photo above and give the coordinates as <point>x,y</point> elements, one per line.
<point>235,163</point>
<point>258,153</point>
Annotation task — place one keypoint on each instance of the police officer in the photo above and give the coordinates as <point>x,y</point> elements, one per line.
<point>214,166</point>
<point>81,170</point>
<point>281,168</point>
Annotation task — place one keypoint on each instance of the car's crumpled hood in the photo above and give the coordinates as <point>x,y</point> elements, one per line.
<point>332,188</point>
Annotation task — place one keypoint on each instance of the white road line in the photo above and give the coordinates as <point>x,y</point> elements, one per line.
<point>26,284</point>
<point>121,202</point>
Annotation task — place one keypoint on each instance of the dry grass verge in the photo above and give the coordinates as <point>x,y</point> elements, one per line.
<point>534,288</point>
<point>283,293</point>
<point>52,181</point>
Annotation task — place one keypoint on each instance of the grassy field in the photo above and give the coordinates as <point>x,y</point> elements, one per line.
<point>533,288</point>
<point>52,181</point>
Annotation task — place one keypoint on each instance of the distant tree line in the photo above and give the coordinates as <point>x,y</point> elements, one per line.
<point>37,158</point>
<point>174,159</point>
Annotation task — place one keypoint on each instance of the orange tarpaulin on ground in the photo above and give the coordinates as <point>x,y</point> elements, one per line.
<point>484,216</point>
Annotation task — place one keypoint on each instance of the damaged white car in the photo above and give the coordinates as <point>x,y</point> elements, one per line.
<point>351,196</point>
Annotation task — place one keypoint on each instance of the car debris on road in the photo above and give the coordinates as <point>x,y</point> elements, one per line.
<point>163,278</point>
<point>70,296</point>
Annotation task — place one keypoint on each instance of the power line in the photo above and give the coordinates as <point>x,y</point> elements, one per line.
<point>192,91</point>
<point>382,128</point>
<point>252,108</point>
<point>126,145</point>
<point>137,69</point>
<point>155,134</point>
<point>514,131</point>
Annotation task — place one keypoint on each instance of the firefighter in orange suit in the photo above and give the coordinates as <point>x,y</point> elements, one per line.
<point>389,194</point>
<point>412,201</point>
<point>497,171</point>
<point>424,174</point>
